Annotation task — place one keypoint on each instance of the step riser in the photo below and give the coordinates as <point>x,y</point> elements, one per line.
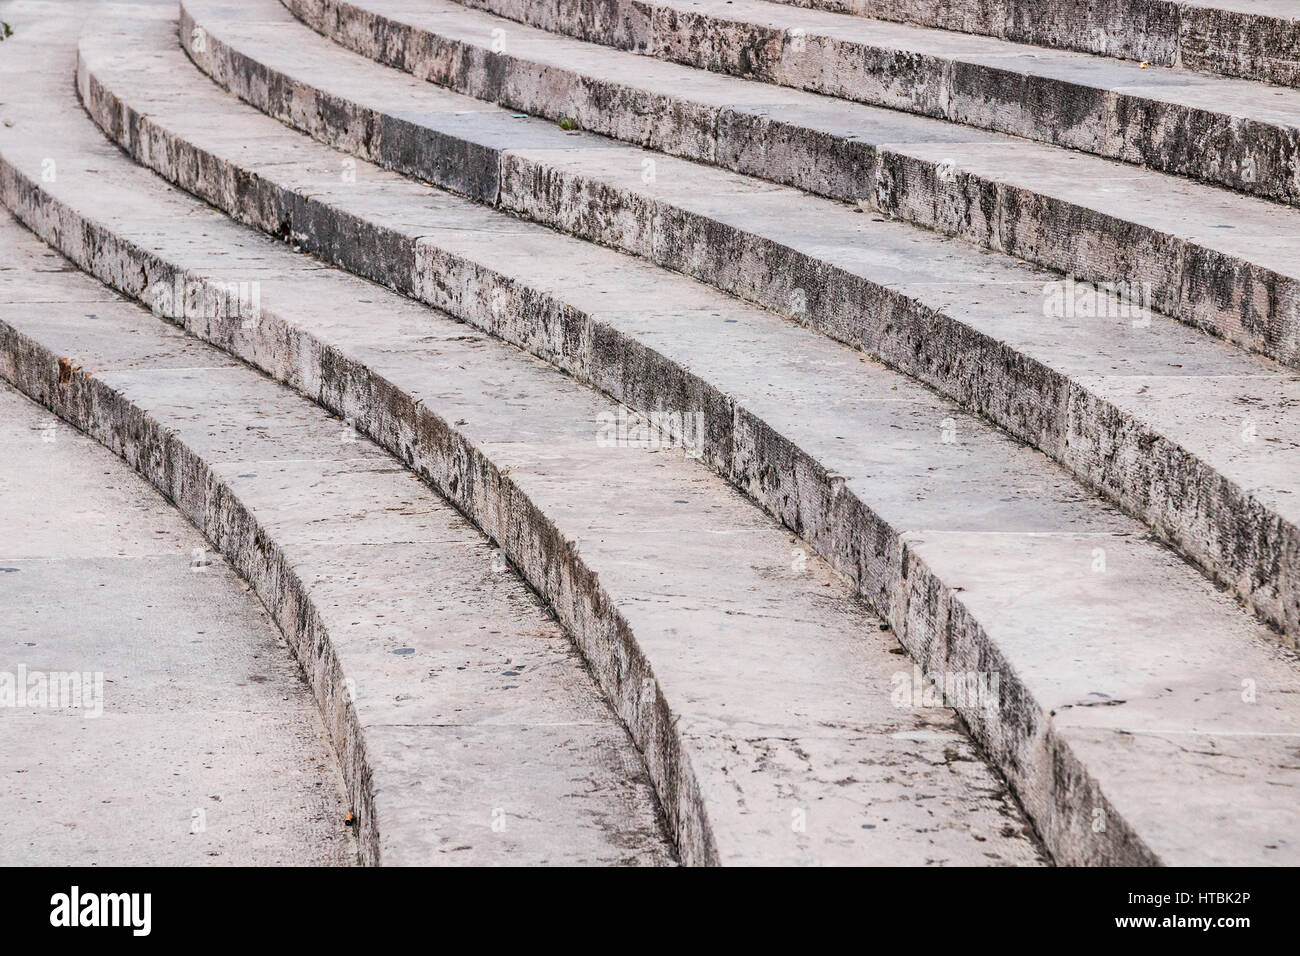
<point>429,446</point>
<point>1241,301</point>
<point>207,501</point>
<point>1250,156</point>
<point>1226,531</point>
<point>1227,42</point>
<point>929,618</point>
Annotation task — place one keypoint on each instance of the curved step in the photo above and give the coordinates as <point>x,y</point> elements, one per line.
<point>1223,262</point>
<point>1191,435</point>
<point>1253,39</point>
<point>393,604</point>
<point>150,714</point>
<point>759,688</point>
<point>1231,132</point>
<point>1000,593</point>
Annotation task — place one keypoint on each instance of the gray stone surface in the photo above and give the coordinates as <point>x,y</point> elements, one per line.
<point>1009,534</point>
<point>1133,405</point>
<point>1219,261</point>
<point>1254,39</point>
<point>193,739</point>
<point>472,731</point>
<point>1226,131</point>
<point>759,687</point>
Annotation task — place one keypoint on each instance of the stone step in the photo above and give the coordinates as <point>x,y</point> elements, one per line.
<point>1217,260</point>
<point>1254,39</point>
<point>471,732</point>
<point>1190,434</point>
<point>990,563</point>
<point>150,714</point>
<point>1232,132</point>
<point>762,691</point>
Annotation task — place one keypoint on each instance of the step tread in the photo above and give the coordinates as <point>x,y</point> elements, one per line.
<point>1233,414</point>
<point>1083,611</point>
<point>198,704</point>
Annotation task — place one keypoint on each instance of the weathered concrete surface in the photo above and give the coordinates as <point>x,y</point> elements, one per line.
<point>193,739</point>
<point>1017,535</point>
<point>1223,262</point>
<point>471,731</point>
<point>759,686</point>
<point>1226,131</point>
<point>1254,39</point>
<point>1136,406</point>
